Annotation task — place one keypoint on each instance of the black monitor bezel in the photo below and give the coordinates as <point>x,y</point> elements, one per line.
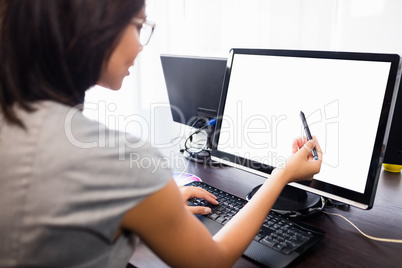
<point>393,153</point>
<point>366,199</point>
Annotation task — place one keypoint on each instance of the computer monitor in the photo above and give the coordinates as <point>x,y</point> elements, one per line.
<point>194,87</point>
<point>347,99</point>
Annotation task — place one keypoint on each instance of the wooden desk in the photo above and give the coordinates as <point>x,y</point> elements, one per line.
<point>342,246</point>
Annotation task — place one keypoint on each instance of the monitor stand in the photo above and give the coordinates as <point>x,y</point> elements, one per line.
<point>202,157</point>
<point>295,203</point>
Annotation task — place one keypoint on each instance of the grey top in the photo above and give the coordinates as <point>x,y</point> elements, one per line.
<point>65,183</point>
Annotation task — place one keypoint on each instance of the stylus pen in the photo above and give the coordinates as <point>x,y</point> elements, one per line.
<point>308,134</point>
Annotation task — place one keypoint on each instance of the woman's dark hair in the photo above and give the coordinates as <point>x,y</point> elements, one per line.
<point>55,49</point>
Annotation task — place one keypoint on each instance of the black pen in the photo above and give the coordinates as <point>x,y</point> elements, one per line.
<point>308,134</point>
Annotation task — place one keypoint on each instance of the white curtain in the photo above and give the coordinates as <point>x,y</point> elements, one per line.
<point>212,27</point>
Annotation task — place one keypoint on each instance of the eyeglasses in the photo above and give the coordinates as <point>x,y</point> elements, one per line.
<point>146,31</point>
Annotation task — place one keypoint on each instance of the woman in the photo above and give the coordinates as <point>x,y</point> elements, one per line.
<point>68,194</point>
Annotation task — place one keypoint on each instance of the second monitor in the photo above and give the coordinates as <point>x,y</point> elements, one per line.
<point>194,86</point>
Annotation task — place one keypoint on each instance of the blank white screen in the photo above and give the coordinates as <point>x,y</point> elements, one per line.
<point>341,99</point>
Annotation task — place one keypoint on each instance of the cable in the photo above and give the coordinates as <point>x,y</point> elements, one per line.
<point>209,123</point>
<point>365,235</point>
<point>191,148</point>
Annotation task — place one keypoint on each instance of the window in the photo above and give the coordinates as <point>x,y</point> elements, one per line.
<point>212,27</point>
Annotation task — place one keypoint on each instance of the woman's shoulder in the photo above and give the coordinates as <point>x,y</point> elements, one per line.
<point>85,142</point>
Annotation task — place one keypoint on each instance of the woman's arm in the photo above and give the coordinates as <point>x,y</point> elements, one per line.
<point>181,240</point>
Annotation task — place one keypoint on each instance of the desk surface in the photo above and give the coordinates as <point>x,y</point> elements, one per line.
<point>342,246</point>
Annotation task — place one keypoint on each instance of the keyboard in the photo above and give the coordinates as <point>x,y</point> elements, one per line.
<point>279,240</point>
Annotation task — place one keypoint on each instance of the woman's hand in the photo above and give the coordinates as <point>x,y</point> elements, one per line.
<point>188,192</point>
<point>301,164</point>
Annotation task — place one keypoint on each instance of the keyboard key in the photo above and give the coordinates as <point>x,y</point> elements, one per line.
<point>213,216</point>
<point>268,241</point>
<point>220,219</point>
